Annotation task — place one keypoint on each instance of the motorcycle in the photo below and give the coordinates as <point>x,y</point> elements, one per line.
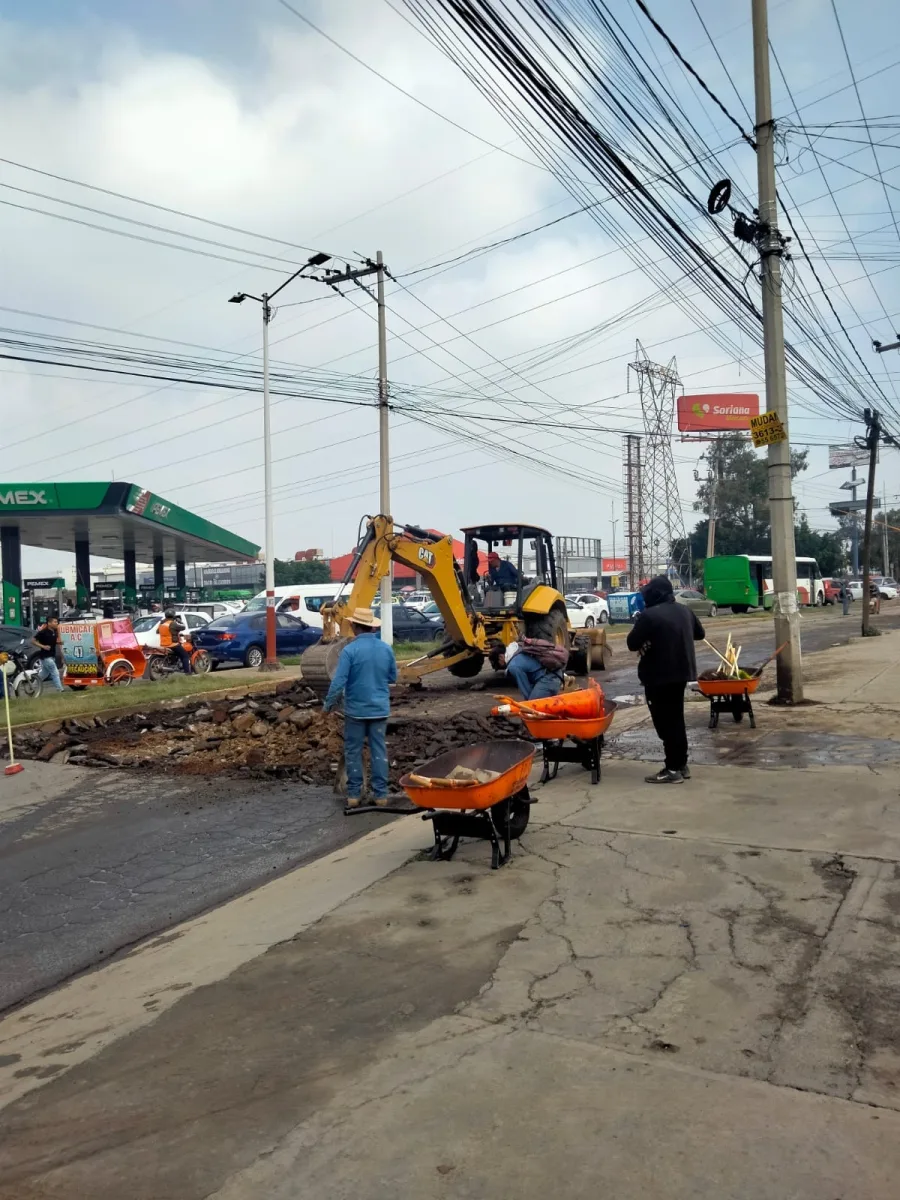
<point>165,662</point>
<point>21,679</point>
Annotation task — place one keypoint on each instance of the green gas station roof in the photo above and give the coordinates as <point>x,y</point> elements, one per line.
<point>115,517</point>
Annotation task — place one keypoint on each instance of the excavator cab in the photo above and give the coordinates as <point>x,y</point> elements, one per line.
<point>524,562</point>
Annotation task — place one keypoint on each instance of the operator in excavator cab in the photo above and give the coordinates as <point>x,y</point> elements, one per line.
<point>501,573</point>
<point>169,630</point>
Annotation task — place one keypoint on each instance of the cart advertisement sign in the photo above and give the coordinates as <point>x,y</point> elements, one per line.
<point>78,647</point>
<point>724,413</point>
<point>115,635</point>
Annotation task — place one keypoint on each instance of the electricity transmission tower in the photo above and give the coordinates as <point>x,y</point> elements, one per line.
<point>664,537</point>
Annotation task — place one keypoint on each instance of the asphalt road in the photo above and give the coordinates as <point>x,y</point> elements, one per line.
<point>106,860</point>
<point>91,862</point>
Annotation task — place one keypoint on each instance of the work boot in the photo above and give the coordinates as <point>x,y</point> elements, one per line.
<point>381,801</point>
<point>685,772</point>
<point>665,776</point>
<point>352,802</point>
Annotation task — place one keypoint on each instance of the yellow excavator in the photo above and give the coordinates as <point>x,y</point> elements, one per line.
<point>480,618</point>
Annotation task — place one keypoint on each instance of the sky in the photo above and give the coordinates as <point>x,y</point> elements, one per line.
<point>244,115</point>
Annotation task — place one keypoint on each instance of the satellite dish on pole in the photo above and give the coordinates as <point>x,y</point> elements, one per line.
<point>719,197</point>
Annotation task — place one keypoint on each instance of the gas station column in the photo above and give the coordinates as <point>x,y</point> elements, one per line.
<point>130,597</point>
<point>11,570</point>
<point>159,577</point>
<point>180,580</point>
<point>82,573</point>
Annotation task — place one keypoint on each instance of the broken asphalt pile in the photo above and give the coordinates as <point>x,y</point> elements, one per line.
<point>285,735</point>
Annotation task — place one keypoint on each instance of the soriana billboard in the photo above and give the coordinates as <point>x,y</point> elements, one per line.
<point>716,414</point>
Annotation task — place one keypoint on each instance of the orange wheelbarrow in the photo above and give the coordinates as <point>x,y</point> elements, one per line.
<point>497,811</point>
<point>586,733</point>
<point>729,695</point>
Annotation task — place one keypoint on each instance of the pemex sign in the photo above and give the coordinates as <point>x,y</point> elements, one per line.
<point>725,413</point>
<point>26,496</point>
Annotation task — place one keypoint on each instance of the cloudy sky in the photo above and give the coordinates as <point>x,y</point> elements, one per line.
<point>244,115</point>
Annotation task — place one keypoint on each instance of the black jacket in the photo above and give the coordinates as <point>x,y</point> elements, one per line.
<point>665,636</point>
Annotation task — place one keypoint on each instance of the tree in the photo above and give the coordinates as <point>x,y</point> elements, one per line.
<point>314,571</point>
<point>893,523</point>
<point>828,549</point>
<point>743,524</point>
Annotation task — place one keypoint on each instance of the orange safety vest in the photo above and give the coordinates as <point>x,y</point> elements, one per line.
<point>166,638</point>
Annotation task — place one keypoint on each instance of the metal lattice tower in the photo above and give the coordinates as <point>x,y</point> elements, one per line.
<point>664,535</point>
<point>635,548</point>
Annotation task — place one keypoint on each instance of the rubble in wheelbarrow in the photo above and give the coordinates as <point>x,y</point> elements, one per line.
<point>285,735</point>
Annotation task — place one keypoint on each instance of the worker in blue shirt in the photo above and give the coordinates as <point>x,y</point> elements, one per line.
<point>366,669</point>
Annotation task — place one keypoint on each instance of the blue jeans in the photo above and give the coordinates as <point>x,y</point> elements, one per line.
<point>533,681</point>
<point>356,732</point>
<point>49,670</point>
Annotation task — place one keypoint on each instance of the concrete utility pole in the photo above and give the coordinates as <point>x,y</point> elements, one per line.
<point>873,432</point>
<point>781,499</point>
<point>384,475</point>
<point>715,471</point>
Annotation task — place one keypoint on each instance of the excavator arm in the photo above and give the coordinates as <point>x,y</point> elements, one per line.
<point>432,558</point>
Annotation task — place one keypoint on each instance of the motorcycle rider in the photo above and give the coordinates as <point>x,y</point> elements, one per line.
<point>169,639</point>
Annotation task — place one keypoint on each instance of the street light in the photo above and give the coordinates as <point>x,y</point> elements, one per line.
<point>316,260</point>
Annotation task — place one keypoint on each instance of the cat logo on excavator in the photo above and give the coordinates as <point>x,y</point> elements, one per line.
<point>426,556</point>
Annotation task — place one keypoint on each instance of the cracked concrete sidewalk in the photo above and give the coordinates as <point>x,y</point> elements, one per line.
<point>670,992</point>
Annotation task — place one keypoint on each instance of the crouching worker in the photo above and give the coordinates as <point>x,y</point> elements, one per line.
<point>536,667</point>
<point>366,669</point>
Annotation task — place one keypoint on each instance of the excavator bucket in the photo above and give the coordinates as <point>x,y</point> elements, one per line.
<point>319,663</point>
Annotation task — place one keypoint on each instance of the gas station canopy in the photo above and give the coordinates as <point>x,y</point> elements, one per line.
<point>110,520</point>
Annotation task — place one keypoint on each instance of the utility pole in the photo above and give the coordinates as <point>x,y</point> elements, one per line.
<point>854,536</point>
<point>781,499</point>
<point>713,486</point>
<point>613,571</point>
<point>271,660</point>
<point>874,434</point>
<point>384,475</point>
<point>870,443</point>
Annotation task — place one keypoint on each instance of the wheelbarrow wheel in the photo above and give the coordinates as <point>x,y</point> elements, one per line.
<point>738,715</point>
<point>519,812</point>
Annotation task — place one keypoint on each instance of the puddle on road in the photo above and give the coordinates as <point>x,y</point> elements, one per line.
<point>744,747</point>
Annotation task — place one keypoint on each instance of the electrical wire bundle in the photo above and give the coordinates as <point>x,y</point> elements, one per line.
<point>573,84</point>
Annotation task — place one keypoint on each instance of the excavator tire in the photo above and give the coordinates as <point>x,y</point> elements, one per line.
<point>319,663</point>
<point>550,627</point>
<point>468,668</point>
<point>581,656</point>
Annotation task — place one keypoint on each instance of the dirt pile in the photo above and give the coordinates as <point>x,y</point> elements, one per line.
<point>286,735</point>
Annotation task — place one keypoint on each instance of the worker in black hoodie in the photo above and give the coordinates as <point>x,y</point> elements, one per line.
<point>664,634</point>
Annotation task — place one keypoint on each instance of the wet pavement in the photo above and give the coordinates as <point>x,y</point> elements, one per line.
<point>102,861</point>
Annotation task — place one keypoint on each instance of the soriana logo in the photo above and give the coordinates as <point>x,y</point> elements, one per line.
<point>716,414</point>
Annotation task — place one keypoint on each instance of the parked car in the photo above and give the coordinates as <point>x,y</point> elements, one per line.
<point>410,625</point>
<point>832,590</point>
<point>597,607</point>
<point>241,639</point>
<point>416,599</point>
<point>212,608</point>
<point>887,587</point>
<point>146,629</point>
<point>302,600</point>
<point>696,602</point>
<point>431,610</point>
<point>855,586</point>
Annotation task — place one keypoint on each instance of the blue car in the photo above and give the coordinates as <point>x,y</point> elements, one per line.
<point>241,638</point>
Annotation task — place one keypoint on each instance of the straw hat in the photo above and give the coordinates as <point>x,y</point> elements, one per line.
<point>364,616</point>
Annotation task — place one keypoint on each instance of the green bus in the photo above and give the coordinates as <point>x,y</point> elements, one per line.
<point>744,581</point>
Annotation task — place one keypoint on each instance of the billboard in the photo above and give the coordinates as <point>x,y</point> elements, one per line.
<point>846,456</point>
<point>724,413</point>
